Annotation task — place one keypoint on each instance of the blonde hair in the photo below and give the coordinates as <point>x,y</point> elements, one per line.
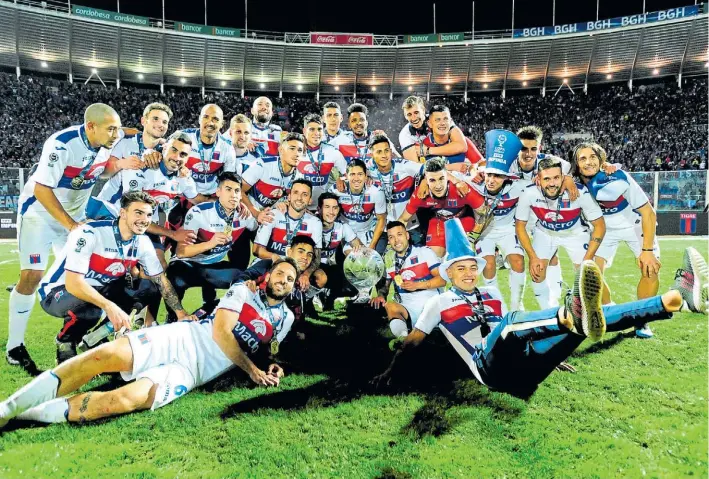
<point>413,101</point>
<point>158,106</point>
<point>240,118</point>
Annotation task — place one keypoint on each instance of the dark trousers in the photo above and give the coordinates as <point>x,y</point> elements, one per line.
<point>524,348</point>
<point>80,317</point>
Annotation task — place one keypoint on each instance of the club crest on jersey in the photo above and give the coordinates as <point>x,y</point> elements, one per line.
<point>133,184</point>
<point>565,203</point>
<point>452,202</point>
<point>35,259</point>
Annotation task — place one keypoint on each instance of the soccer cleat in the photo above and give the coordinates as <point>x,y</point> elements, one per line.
<point>644,331</point>
<point>584,302</point>
<point>691,281</point>
<point>65,351</point>
<point>19,356</point>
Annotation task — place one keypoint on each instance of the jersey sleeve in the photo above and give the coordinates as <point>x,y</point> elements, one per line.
<point>565,166</point>
<point>287,325</point>
<point>188,187</point>
<point>54,158</point>
<point>264,232</point>
<point>193,219</point>
<point>317,233</point>
<point>79,245</point>
<point>590,208</point>
<point>412,168</point>
<point>253,173</point>
<point>380,203</point>
<point>405,139</point>
<point>431,259</point>
<point>414,203</point>
<point>234,298</point>
<point>340,162</point>
<point>111,188</point>
<point>348,234</point>
<point>229,160</point>
<point>474,199</point>
<point>250,223</point>
<point>147,257</point>
<point>523,206</point>
<point>430,316</point>
<point>636,196</point>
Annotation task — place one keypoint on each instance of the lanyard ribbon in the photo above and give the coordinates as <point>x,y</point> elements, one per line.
<point>478,310</point>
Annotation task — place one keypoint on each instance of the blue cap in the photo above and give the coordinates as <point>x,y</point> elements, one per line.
<point>501,150</point>
<point>458,248</point>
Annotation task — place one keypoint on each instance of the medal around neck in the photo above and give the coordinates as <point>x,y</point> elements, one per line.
<point>363,268</point>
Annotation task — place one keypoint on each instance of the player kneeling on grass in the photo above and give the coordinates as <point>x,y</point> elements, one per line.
<point>517,351</point>
<point>166,361</point>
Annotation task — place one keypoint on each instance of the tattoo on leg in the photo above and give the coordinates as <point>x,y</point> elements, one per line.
<point>84,406</point>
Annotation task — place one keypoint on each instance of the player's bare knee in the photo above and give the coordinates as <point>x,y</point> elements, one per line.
<point>137,396</point>
<point>516,263</point>
<point>29,281</point>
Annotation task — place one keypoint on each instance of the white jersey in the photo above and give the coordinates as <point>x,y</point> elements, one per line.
<point>93,251</point>
<point>504,203</point>
<point>418,265</point>
<point>68,165</point>
<point>360,211</point>
<point>515,170</point>
<point>164,187</point>
<point>247,160</point>
<point>353,147</point>
<point>208,218</point>
<point>559,217</point>
<point>337,139</point>
<point>317,166</point>
<point>268,182</point>
<point>277,235</point>
<point>409,137</point>
<point>619,198</point>
<point>131,145</point>
<point>269,137</point>
<point>207,161</point>
<point>397,185</point>
<point>334,237</point>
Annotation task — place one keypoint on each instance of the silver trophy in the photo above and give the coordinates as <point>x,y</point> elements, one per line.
<point>363,268</point>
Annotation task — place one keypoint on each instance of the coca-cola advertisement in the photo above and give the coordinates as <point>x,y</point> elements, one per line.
<point>353,39</point>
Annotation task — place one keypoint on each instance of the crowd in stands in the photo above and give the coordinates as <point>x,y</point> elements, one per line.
<point>653,128</point>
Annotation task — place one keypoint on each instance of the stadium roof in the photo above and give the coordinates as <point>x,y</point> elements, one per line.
<point>36,39</point>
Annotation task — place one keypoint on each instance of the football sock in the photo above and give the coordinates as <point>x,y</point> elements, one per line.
<point>541,292</point>
<point>20,310</point>
<point>49,412</point>
<point>517,281</point>
<point>41,389</point>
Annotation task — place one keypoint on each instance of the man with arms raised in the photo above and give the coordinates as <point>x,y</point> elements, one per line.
<point>501,193</point>
<point>363,207</point>
<point>166,362</point>
<point>413,270</point>
<point>97,272</point>
<point>322,163</point>
<point>51,205</point>
<point>558,224</point>
<point>629,217</point>
<point>515,352</point>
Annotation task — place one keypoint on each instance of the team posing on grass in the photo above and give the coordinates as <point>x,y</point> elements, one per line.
<point>269,216</point>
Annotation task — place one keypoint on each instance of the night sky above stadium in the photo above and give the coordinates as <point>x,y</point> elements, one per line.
<point>382,17</point>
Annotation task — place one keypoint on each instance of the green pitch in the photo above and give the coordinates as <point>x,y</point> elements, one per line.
<point>634,408</point>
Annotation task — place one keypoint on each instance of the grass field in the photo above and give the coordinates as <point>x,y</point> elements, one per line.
<point>634,408</point>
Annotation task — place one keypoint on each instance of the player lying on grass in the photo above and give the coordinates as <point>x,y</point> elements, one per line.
<point>166,361</point>
<point>517,351</point>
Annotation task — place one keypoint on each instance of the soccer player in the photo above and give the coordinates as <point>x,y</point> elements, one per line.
<point>413,270</point>
<point>515,352</point>
<point>363,207</point>
<point>334,235</point>
<point>240,129</point>
<point>447,140</point>
<point>273,238</point>
<point>269,179</point>
<point>332,114</point>
<point>558,223</point>
<point>52,204</point>
<point>357,144</point>
<point>97,273</point>
<point>629,217</point>
<point>322,163</point>
<point>501,192</point>
<point>264,132</point>
<point>445,201</point>
<point>168,361</point>
<point>216,226</point>
<point>164,184</point>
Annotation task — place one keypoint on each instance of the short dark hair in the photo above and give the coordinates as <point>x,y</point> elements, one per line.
<point>137,197</point>
<point>282,260</point>
<point>228,176</point>
<point>302,239</point>
<point>294,136</point>
<point>438,109</point>
<point>303,181</point>
<point>328,195</point>
<point>395,224</point>
<point>378,138</point>
<point>548,163</point>
<point>312,118</point>
<point>356,162</point>
<point>437,163</point>
<point>530,133</point>
<point>331,104</point>
<point>357,108</point>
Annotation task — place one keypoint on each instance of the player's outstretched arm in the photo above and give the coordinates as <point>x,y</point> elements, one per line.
<point>599,231</point>
<point>649,264</point>
<point>224,323</point>
<point>170,296</point>
<point>413,339</point>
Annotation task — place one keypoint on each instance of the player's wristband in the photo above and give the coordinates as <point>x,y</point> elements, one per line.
<point>646,249</point>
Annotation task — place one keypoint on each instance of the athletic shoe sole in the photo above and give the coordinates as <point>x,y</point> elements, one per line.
<point>700,271</point>
<point>593,322</point>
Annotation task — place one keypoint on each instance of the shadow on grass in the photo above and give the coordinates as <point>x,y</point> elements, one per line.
<point>605,344</point>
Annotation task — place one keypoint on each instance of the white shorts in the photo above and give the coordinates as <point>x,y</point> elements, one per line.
<point>576,245</point>
<point>505,239</point>
<point>168,356</point>
<point>632,236</point>
<point>35,237</point>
